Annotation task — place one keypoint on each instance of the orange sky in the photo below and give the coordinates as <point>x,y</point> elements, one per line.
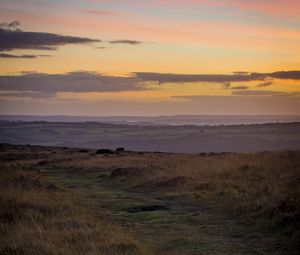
<point>121,38</point>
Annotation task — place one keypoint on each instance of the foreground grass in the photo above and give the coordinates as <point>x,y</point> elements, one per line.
<point>39,217</point>
<point>260,191</point>
<point>175,203</point>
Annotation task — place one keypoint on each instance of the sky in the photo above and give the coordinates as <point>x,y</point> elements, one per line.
<point>149,57</point>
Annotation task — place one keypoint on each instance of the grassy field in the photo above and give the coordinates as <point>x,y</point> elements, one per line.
<point>37,216</point>
<point>75,201</point>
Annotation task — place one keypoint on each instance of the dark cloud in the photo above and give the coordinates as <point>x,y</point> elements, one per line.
<point>219,78</point>
<point>132,42</point>
<point>284,75</point>
<point>4,55</point>
<point>12,38</point>
<point>69,82</point>
<point>258,93</point>
<point>30,94</point>
<point>293,75</point>
<point>239,87</point>
<point>176,78</point>
<point>78,82</point>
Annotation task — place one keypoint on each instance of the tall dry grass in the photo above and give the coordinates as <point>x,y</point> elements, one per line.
<point>39,217</point>
<point>262,189</point>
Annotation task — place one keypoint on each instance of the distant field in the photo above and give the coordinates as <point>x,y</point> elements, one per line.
<point>83,201</point>
<point>185,139</point>
<point>173,120</point>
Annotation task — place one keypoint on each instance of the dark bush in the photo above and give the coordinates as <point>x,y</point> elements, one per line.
<point>104,151</point>
<point>120,149</point>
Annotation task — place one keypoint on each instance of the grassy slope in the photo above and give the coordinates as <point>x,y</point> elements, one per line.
<point>177,204</point>
<point>40,217</point>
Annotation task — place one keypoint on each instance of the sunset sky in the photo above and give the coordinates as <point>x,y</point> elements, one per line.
<point>149,57</point>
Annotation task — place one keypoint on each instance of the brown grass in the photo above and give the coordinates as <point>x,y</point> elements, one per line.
<point>38,217</point>
<point>263,188</point>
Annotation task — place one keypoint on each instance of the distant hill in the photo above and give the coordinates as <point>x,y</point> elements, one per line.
<point>164,138</point>
<point>163,120</point>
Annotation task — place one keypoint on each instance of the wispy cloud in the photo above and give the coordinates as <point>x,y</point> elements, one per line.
<point>103,12</point>
<point>28,56</point>
<point>259,93</point>
<point>100,48</point>
<point>10,25</point>
<point>132,42</point>
<point>217,78</point>
<point>266,83</point>
<point>228,85</point>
